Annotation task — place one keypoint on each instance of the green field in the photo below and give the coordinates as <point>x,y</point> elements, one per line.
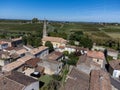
<point>92,29</point>
<point>114,35</point>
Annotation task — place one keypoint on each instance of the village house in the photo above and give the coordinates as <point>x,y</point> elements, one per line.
<point>52,63</point>
<point>21,52</point>
<point>86,64</point>
<point>16,42</point>
<point>98,57</point>
<point>113,53</point>
<point>114,68</point>
<point>39,52</point>
<point>72,49</point>
<point>56,41</point>
<point>16,65</point>
<point>98,48</point>
<point>17,81</point>
<point>77,80</point>
<point>100,80</point>
<point>95,80</point>
<point>6,58</point>
<point>3,45</point>
<point>31,66</point>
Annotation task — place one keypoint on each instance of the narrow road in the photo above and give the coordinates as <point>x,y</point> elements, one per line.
<point>115,83</point>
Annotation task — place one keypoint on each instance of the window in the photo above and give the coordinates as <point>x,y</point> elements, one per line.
<point>97,60</point>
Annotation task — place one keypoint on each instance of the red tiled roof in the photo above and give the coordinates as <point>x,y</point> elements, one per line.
<point>33,62</point>
<point>8,84</point>
<point>54,39</point>
<point>40,69</point>
<point>96,54</point>
<point>100,80</point>
<point>115,64</point>
<point>77,80</point>
<point>54,55</point>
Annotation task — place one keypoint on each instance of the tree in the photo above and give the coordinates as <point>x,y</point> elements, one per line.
<point>53,85</point>
<point>24,38</point>
<point>50,45</point>
<point>35,20</point>
<point>86,42</point>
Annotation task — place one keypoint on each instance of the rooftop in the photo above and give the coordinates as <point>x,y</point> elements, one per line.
<point>54,56</point>
<point>21,51</point>
<point>77,80</point>
<point>33,62</point>
<point>100,80</point>
<point>54,39</point>
<point>16,64</point>
<point>3,42</point>
<point>86,64</point>
<point>12,66</point>
<point>96,54</point>
<point>21,78</point>
<point>8,84</point>
<point>37,50</point>
<point>25,58</point>
<point>115,64</point>
<point>9,48</point>
<point>112,50</point>
<point>15,80</point>
<point>16,39</point>
<point>76,47</point>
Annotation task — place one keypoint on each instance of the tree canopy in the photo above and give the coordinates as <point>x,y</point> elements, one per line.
<point>35,20</point>
<point>50,45</point>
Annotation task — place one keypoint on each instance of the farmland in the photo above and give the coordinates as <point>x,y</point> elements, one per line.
<point>94,30</point>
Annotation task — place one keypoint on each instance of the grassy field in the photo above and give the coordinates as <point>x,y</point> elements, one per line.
<point>94,29</point>
<point>114,35</point>
<point>20,27</point>
<point>46,79</point>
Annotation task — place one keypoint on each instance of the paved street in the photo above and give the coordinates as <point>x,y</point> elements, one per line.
<point>115,83</point>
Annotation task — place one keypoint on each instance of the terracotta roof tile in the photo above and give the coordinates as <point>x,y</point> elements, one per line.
<point>33,62</point>
<point>54,56</point>
<point>15,81</point>
<point>21,78</point>
<point>54,39</point>
<point>77,80</point>
<point>16,64</point>
<point>37,50</point>
<point>100,80</point>
<point>8,84</point>
<point>96,54</point>
<point>39,69</point>
<point>115,64</point>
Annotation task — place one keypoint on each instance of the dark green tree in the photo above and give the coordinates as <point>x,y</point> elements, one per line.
<point>50,45</point>
<point>35,20</point>
<point>86,42</point>
<point>24,38</point>
<point>54,85</point>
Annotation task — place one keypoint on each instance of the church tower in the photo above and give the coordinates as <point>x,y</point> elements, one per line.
<point>44,28</point>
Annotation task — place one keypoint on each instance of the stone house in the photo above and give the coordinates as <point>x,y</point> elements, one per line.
<point>112,53</point>
<point>17,81</point>
<point>114,68</point>
<point>52,63</point>
<point>98,57</point>
<point>39,52</point>
<point>56,41</point>
<point>3,45</point>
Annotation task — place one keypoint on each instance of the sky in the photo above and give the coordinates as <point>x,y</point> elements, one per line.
<point>62,10</point>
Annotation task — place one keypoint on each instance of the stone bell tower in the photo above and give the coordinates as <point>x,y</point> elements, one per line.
<point>44,28</point>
